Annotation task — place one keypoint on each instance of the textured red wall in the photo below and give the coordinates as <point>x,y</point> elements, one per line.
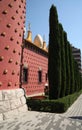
<point>12,19</point>
<point>34,61</point>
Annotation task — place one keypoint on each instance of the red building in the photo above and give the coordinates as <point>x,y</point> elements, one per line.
<point>23,63</point>
<point>35,66</point>
<point>12,19</point>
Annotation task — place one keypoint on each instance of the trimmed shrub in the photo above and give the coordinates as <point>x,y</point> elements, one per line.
<point>54,106</point>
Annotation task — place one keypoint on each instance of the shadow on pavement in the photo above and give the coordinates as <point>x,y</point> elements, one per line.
<point>76,117</point>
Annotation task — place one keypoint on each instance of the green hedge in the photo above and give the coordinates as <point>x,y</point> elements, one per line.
<point>54,106</point>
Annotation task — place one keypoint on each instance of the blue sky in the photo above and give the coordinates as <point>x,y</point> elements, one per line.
<point>69,14</point>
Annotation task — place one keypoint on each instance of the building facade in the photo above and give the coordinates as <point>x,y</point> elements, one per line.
<point>23,63</point>
<point>35,67</point>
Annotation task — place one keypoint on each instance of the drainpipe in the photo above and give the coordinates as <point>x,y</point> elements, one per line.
<point>21,62</point>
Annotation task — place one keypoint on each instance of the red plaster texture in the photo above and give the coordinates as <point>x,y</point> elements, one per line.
<point>34,61</point>
<point>12,19</point>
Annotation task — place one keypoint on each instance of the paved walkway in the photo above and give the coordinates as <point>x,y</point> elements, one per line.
<point>71,120</point>
<point>76,109</point>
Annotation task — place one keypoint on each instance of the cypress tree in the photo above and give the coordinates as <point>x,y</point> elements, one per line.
<point>63,65</point>
<point>76,75</point>
<point>71,69</point>
<point>80,81</point>
<point>54,69</point>
<point>67,65</point>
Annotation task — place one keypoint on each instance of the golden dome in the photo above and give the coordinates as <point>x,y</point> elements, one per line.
<point>38,41</point>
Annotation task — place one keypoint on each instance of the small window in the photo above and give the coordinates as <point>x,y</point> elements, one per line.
<point>40,76</point>
<point>46,76</point>
<point>25,75</point>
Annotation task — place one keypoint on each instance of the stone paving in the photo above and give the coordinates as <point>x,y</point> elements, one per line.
<point>71,120</point>
<point>76,109</point>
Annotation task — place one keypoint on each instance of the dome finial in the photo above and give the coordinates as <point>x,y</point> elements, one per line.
<point>29,26</point>
<point>44,37</point>
<point>29,35</point>
<point>44,43</point>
